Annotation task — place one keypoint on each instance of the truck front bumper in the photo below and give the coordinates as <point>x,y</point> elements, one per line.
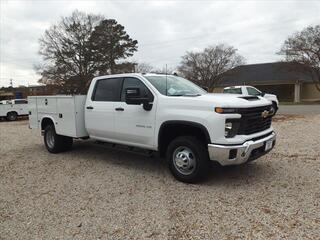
<point>238,154</point>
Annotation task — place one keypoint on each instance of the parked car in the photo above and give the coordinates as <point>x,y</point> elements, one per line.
<point>12,109</point>
<point>249,90</point>
<point>160,113</point>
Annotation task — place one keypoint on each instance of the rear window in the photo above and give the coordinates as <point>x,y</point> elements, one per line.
<point>233,90</point>
<point>107,90</point>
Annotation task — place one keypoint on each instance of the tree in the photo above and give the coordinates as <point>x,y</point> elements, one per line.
<point>303,48</point>
<point>110,42</point>
<point>65,48</point>
<point>205,67</point>
<point>144,67</point>
<point>70,50</point>
<point>164,70</point>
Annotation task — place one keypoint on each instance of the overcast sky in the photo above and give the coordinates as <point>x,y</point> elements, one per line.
<point>164,29</point>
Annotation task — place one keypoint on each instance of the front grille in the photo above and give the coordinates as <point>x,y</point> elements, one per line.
<point>252,121</point>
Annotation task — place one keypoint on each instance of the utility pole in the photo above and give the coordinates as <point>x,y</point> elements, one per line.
<point>11,84</point>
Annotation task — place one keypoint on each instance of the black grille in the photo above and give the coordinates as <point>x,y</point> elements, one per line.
<point>252,121</point>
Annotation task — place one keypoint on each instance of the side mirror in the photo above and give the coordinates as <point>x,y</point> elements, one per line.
<point>133,97</point>
<point>262,94</point>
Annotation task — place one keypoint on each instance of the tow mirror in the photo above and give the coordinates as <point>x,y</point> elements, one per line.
<point>133,97</point>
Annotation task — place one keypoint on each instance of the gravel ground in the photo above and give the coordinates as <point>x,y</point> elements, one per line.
<point>97,193</point>
<point>299,109</point>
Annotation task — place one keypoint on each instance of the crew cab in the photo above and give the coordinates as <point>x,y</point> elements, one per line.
<point>11,109</point>
<point>160,113</point>
<point>252,91</point>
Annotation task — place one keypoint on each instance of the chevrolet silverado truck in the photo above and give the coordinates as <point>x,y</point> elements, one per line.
<point>252,91</point>
<point>159,113</point>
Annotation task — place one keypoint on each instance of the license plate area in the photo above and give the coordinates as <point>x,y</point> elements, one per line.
<point>268,145</point>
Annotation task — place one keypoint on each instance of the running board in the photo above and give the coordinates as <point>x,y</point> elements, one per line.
<point>124,148</point>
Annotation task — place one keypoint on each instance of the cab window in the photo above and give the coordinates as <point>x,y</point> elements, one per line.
<point>233,90</point>
<point>107,90</point>
<point>131,82</point>
<point>253,91</point>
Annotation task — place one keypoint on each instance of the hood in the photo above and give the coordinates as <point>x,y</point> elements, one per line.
<point>233,100</point>
<point>269,95</point>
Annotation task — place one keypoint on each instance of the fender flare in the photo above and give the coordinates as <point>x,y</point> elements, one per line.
<point>46,117</point>
<point>185,123</point>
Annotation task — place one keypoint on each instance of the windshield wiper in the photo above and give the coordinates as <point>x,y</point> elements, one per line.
<point>176,95</point>
<point>192,95</point>
<point>185,95</point>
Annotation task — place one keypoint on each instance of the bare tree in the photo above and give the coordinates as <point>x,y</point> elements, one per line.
<point>205,67</point>
<point>304,48</point>
<point>164,70</point>
<point>144,67</point>
<point>66,51</point>
<point>81,46</point>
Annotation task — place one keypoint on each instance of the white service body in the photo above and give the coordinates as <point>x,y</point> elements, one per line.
<point>66,112</point>
<point>9,106</point>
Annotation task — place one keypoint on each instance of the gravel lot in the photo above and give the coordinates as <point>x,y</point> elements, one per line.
<point>97,193</point>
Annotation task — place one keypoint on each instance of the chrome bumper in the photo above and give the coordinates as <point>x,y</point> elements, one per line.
<point>247,151</point>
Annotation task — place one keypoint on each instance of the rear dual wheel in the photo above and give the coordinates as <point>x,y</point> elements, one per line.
<point>56,143</point>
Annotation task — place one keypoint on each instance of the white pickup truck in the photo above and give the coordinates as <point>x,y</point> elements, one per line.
<point>11,109</point>
<point>252,91</point>
<point>162,113</point>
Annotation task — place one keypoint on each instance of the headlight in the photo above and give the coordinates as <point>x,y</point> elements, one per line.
<point>231,128</point>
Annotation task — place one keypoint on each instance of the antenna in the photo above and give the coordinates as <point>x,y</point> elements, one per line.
<point>166,82</point>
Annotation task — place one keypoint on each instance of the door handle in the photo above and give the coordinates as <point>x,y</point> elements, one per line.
<point>89,107</point>
<point>119,109</point>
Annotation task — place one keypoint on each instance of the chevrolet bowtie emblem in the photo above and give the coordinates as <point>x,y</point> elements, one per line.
<point>265,114</point>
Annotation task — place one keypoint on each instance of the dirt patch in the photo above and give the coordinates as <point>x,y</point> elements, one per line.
<point>282,118</point>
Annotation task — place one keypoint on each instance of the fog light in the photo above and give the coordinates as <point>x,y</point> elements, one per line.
<point>231,127</point>
<point>228,129</point>
<point>233,153</point>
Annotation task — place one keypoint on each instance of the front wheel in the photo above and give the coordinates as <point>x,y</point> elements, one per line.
<point>56,143</point>
<point>188,159</point>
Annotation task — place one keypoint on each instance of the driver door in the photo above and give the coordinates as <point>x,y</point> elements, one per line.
<point>133,124</point>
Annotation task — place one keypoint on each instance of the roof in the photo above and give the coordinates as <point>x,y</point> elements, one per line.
<point>130,75</point>
<point>238,86</point>
<point>265,73</point>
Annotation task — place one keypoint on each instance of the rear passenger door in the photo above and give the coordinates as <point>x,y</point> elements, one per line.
<point>100,109</point>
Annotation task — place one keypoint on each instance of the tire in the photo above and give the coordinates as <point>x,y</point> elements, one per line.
<point>12,116</point>
<point>193,163</point>
<point>56,143</point>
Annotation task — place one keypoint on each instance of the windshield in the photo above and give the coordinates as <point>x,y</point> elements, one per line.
<point>176,86</point>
